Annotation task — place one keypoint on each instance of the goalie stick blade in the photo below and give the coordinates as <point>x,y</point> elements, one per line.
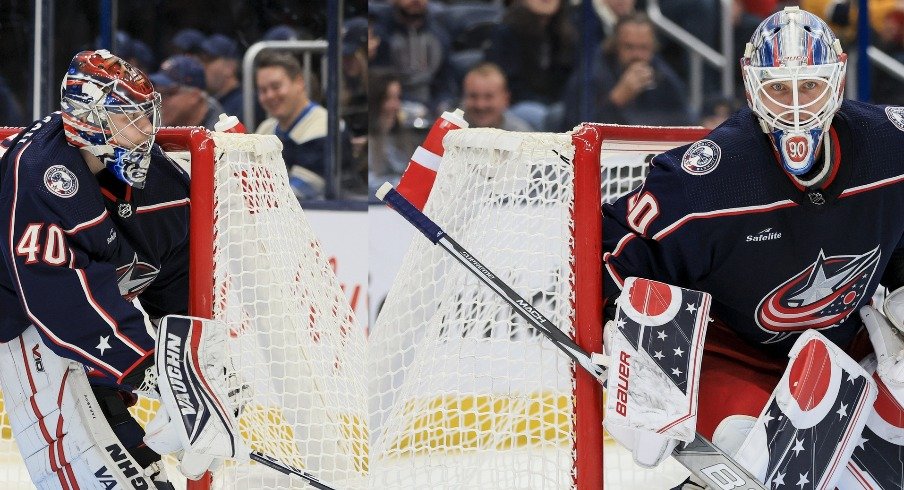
<point>700,456</point>
<point>710,464</point>
<point>288,470</point>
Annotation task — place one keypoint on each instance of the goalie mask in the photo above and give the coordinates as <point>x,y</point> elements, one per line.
<point>793,70</point>
<point>111,110</point>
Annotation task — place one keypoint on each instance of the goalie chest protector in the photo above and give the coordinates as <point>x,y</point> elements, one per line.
<point>722,216</point>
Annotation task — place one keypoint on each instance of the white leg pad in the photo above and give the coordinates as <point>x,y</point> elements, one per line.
<point>59,428</point>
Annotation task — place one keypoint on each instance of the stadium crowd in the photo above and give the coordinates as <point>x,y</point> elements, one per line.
<point>515,64</point>
<point>193,56</point>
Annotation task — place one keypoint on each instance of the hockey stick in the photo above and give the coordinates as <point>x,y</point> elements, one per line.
<point>288,470</point>
<point>700,456</point>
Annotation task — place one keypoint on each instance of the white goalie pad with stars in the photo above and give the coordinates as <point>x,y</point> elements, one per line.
<point>878,460</point>
<point>655,350</point>
<point>811,424</point>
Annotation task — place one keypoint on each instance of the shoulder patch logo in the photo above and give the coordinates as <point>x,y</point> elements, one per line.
<point>701,158</point>
<point>896,116</point>
<point>61,181</point>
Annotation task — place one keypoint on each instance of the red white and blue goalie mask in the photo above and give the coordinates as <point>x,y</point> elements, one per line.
<point>794,70</point>
<point>110,109</point>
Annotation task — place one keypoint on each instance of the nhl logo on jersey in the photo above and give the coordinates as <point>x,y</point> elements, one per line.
<point>701,158</point>
<point>896,116</point>
<point>124,210</point>
<point>61,181</point>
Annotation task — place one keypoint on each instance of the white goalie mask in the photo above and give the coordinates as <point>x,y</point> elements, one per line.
<point>794,71</point>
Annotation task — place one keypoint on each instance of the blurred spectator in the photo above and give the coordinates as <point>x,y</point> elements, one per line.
<point>485,99</point>
<point>297,121</point>
<point>716,110</point>
<point>390,146</point>
<point>181,84</point>
<point>10,110</point>
<point>631,84</point>
<point>220,55</point>
<point>842,14</point>
<point>283,32</point>
<point>535,47</point>
<point>373,40</point>
<point>609,11</point>
<point>187,41</point>
<point>417,49</point>
<point>354,91</point>
<point>136,52</point>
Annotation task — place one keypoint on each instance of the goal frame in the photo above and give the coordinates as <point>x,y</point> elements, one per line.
<point>589,140</point>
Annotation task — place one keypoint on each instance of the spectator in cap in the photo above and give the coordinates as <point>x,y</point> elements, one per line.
<point>181,85</point>
<point>283,32</point>
<point>297,121</point>
<point>220,55</point>
<point>187,41</point>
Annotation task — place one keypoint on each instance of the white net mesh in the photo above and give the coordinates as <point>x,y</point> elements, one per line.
<point>463,393</point>
<point>293,341</point>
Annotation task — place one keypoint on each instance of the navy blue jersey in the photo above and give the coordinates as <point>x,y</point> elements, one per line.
<point>721,216</point>
<point>77,248</point>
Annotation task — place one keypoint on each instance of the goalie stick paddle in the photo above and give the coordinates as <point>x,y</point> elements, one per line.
<point>700,456</point>
<point>288,470</point>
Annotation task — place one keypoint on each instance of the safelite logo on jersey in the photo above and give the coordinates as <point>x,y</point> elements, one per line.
<point>764,236</point>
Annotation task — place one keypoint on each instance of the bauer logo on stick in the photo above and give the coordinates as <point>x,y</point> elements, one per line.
<point>701,158</point>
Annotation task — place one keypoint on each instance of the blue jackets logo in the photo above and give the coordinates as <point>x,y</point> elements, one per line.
<point>821,296</point>
<point>701,158</point>
<point>61,181</point>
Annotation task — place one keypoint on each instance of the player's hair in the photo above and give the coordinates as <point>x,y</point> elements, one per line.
<point>637,18</point>
<point>487,69</point>
<point>286,61</point>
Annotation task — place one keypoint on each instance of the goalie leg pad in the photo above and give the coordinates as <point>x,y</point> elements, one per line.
<point>656,351</point>
<point>59,427</point>
<point>810,426</point>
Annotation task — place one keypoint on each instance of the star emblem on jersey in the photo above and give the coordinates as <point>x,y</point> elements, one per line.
<point>896,116</point>
<point>135,277</point>
<point>701,158</point>
<point>821,296</point>
<point>61,181</point>
<point>104,344</point>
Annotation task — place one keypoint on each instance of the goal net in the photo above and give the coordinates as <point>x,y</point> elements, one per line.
<point>293,341</point>
<point>463,393</point>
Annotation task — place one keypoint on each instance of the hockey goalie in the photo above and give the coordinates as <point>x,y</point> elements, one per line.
<point>789,216</point>
<point>94,216</point>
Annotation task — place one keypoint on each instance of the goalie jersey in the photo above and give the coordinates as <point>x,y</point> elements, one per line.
<point>77,248</point>
<point>722,216</point>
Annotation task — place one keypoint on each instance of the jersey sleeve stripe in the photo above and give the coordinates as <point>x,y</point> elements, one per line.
<point>162,205</point>
<point>764,208</point>
<point>87,224</point>
<point>114,325</point>
<point>873,185</point>
<point>47,333</point>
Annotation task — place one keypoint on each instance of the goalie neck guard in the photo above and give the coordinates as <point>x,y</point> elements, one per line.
<point>793,69</point>
<point>111,110</point>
